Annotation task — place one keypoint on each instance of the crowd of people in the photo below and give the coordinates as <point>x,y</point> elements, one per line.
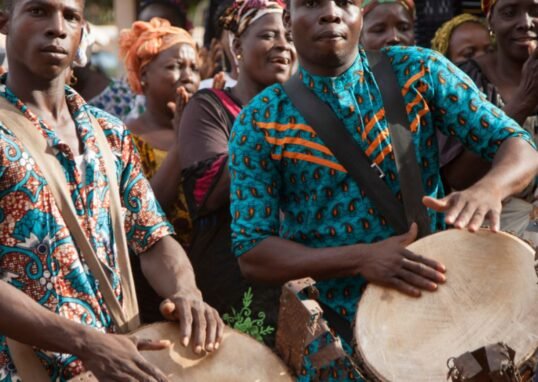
<point>227,188</point>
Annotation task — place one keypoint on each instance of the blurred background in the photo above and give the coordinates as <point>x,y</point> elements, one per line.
<point>108,17</point>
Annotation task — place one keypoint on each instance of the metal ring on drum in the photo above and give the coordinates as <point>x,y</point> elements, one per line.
<point>491,295</point>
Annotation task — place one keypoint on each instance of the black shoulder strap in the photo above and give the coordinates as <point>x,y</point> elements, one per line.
<point>402,141</point>
<point>334,134</point>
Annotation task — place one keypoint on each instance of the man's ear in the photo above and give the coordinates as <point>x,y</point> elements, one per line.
<point>4,21</point>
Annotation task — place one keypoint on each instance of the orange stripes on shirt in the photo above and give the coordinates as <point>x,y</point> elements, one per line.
<point>284,127</point>
<point>414,125</point>
<point>309,158</point>
<point>383,154</point>
<point>371,123</point>
<point>409,82</point>
<point>300,142</point>
<point>383,135</point>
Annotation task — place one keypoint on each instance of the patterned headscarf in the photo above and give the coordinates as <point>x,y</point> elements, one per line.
<point>368,5</point>
<point>487,5</point>
<point>144,41</point>
<point>242,13</point>
<point>441,40</point>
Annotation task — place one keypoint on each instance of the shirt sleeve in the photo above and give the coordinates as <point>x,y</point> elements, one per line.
<point>461,110</point>
<point>203,132</point>
<point>145,222</point>
<point>255,181</point>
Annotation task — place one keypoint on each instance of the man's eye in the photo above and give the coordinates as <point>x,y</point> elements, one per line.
<point>36,11</point>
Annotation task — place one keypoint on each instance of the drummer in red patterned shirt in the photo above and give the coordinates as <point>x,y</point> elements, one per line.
<point>53,301</point>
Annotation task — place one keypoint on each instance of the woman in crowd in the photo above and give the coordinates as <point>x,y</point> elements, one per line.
<point>463,38</point>
<point>509,79</point>
<point>265,54</point>
<point>115,96</point>
<point>162,64</point>
<point>387,22</point>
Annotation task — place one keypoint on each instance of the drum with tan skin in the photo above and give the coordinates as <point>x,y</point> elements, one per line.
<point>240,358</point>
<point>491,295</point>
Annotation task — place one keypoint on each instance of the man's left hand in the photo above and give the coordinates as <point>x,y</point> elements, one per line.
<point>197,321</point>
<point>469,208</point>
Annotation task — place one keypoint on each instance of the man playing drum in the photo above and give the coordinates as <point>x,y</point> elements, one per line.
<point>329,229</point>
<point>53,301</point>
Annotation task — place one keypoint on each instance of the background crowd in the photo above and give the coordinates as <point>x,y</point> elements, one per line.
<point>180,97</point>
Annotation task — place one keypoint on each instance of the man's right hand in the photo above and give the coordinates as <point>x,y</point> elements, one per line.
<point>388,263</point>
<point>112,357</point>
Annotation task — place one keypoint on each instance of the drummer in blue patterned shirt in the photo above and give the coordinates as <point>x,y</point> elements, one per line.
<point>330,230</point>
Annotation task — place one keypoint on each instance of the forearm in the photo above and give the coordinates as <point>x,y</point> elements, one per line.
<point>514,167</point>
<point>276,260</point>
<point>26,321</point>
<point>167,268</point>
<point>165,182</point>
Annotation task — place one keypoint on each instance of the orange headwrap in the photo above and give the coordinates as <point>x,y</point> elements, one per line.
<point>144,41</point>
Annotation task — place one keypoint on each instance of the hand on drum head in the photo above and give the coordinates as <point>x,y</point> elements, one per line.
<point>469,208</point>
<point>112,357</point>
<point>388,263</point>
<point>197,321</point>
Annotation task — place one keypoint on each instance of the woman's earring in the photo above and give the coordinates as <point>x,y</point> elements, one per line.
<point>239,57</point>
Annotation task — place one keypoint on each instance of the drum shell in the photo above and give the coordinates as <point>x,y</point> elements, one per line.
<point>490,296</point>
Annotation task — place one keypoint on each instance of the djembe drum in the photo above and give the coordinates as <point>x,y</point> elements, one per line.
<point>491,295</point>
<point>240,358</point>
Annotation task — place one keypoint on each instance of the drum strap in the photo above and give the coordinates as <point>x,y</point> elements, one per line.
<point>368,176</point>
<point>126,318</point>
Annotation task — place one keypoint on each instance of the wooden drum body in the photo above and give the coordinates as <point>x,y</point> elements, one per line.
<point>491,295</point>
<point>239,358</point>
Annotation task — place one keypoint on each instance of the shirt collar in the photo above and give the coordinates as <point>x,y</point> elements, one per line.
<point>325,84</point>
<point>74,100</point>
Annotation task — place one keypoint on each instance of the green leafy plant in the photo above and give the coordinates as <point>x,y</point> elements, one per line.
<point>244,322</point>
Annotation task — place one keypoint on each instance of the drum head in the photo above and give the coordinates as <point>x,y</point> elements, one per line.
<point>491,295</point>
<point>240,358</point>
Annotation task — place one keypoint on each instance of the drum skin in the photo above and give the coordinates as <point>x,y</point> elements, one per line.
<point>491,295</point>
<point>239,358</point>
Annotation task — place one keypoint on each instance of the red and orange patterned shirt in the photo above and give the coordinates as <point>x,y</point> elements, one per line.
<point>37,252</point>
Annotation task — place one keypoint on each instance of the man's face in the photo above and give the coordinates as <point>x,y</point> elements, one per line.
<point>43,36</point>
<point>325,33</point>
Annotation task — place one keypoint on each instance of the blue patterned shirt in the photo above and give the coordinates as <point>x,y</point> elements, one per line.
<point>278,163</point>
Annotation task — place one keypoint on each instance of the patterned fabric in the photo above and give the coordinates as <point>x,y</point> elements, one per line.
<point>119,100</point>
<point>278,163</point>
<point>368,5</point>
<point>441,40</point>
<point>487,6</point>
<point>151,159</point>
<point>37,252</point>
<point>143,42</point>
<point>242,13</point>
